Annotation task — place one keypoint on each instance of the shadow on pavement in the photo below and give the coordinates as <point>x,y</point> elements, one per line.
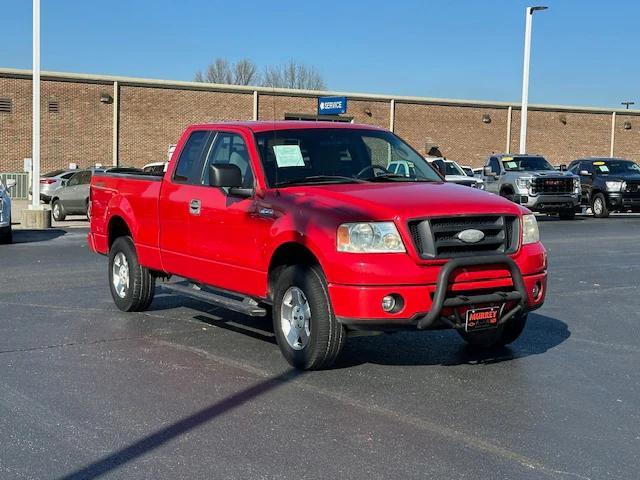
<point>408,348</point>
<point>31,236</point>
<point>445,347</point>
<point>158,438</point>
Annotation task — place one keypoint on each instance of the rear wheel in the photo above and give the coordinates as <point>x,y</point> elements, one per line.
<point>599,206</point>
<point>132,285</point>
<point>496,337</point>
<point>57,211</point>
<point>307,331</point>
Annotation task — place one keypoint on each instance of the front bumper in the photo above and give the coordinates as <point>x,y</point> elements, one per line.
<point>440,305</point>
<point>548,203</point>
<point>623,201</point>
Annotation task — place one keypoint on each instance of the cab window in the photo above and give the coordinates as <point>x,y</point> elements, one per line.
<point>229,148</point>
<point>189,166</point>
<point>494,165</point>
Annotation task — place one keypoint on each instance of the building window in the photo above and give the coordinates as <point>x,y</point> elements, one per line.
<point>54,106</point>
<point>5,105</point>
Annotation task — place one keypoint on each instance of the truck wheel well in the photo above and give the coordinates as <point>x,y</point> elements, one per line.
<point>117,228</point>
<point>285,255</point>
<point>506,190</point>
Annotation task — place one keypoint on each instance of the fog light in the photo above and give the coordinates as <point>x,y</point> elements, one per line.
<point>537,290</point>
<point>388,303</point>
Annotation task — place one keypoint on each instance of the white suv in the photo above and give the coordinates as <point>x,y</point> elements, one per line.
<point>6,235</point>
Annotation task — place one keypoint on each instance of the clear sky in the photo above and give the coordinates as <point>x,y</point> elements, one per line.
<point>584,52</point>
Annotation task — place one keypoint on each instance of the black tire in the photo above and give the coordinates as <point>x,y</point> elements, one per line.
<point>57,211</point>
<point>603,210</point>
<point>508,194</point>
<point>6,235</point>
<point>496,337</point>
<point>567,214</point>
<point>327,336</point>
<point>141,282</point>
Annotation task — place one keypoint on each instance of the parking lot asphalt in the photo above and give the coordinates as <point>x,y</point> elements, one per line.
<point>191,391</point>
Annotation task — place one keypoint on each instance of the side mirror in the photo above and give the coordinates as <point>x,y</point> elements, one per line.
<point>584,172</point>
<point>563,168</point>
<point>488,172</point>
<point>225,175</point>
<point>10,183</point>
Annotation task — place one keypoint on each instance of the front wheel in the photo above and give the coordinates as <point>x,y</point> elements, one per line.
<point>307,331</point>
<point>599,206</point>
<point>496,337</point>
<point>132,285</point>
<point>6,234</point>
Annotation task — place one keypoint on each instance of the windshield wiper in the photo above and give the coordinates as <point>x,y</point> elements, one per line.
<point>315,179</point>
<point>395,177</point>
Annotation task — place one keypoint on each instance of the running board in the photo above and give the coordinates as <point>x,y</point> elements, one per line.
<point>230,301</point>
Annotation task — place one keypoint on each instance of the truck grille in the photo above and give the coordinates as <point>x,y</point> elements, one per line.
<point>633,187</point>
<point>552,185</point>
<point>438,237</point>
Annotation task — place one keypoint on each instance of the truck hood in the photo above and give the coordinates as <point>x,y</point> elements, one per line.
<point>546,173</point>
<point>385,201</point>
<point>633,177</point>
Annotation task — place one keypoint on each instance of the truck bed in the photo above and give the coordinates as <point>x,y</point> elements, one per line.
<point>131,195</point>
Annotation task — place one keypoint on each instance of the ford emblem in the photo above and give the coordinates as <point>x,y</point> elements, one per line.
<point>471,235</point>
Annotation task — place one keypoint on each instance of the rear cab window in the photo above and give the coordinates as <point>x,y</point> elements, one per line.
<point>189,167</point>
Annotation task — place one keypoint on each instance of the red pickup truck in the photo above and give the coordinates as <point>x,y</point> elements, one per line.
<point>304,222</point>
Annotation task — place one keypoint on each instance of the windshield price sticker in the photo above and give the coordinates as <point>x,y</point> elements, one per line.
<point>603,168</point>
<point>288,156</point>
<point>512,165</point>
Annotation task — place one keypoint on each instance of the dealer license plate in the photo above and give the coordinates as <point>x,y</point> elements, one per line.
<point>481,318</point>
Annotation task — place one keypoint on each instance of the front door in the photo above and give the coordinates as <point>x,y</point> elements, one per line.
<point>492,182</point>
<point>228,235</point>
<point>586,181</point>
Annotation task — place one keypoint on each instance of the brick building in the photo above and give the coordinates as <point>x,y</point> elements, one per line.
<point>88,119</point>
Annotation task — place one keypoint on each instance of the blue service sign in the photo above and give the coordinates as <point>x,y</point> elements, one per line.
<point>332,105</point>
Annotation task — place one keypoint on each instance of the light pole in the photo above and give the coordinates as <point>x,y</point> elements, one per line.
<point>627,103</point>
<point>35,153</point>
<point>525,76</point>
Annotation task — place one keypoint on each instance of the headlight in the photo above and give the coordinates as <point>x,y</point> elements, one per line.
<point>480,184</point>
<point>524,182</point>
<point>530,233</point>
<point>615,186</point>
<point>576,183</point>
<point>372,237</point>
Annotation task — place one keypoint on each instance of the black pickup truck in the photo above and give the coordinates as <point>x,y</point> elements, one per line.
<point>608,184</point>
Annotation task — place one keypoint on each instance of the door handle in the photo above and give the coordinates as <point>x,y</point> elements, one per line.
<point>194,207</point>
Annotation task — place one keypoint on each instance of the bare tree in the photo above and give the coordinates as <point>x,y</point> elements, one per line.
<point>293,75</point>
<point>245,72</point>
<point>217,72</point>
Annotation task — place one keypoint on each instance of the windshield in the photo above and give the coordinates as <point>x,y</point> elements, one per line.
<point>452,168</point>
<point>340,155</point>
<point>522,164</point>
<point>616,167</point>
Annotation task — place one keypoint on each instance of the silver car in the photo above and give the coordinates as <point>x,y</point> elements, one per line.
<point>6,235</point>
<point>73,197</point>
<point>50,182</point>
